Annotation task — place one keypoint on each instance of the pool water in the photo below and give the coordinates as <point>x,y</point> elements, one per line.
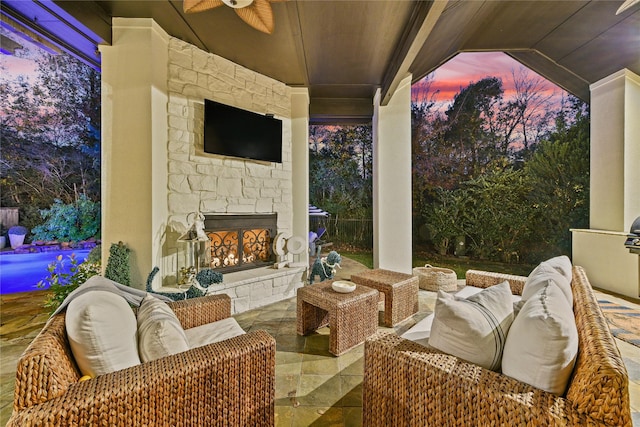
<point>22,272</point>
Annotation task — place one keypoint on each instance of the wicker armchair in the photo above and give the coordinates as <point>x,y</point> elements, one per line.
<point>225,383</point>
<point>410,385</point>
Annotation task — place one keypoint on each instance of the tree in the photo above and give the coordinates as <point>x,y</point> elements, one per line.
<point>340,170</point>
<point>50,128</point>
<point>466,129</point>
<point>559,176</point>
<point>532,106</point>
<point>502,168</point>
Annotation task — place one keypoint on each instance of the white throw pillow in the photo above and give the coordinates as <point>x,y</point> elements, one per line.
<point>539,278</point>
<point>563,265</point>
<point>160,333</point>
<point>542,344</point>
<point>420,332</point>
<point>475,328</point>
<point>102,333</point>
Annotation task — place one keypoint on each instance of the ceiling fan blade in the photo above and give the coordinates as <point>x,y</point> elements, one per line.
<point>626,5</point>
<point>192,6</point>
<point>259,15</point>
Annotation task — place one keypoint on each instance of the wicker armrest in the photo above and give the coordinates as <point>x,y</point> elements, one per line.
<point>484,279</point>
<point>225,383</point>
<point>200,311</point>
<point>411,385</point>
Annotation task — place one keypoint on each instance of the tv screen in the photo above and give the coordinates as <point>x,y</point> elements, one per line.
<point>231,131</point>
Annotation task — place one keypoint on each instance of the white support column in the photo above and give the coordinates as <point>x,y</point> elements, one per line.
<point>392,239</point>
<point>134,141</point>
<point>300,164</point>
<point>614,185</point>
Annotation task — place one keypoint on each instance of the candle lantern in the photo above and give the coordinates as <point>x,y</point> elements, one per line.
<point>196,248</point>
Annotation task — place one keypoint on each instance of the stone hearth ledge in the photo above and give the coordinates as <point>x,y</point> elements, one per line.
<point>257,287</point>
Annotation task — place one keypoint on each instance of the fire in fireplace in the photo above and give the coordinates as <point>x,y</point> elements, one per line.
<point>240,242</point>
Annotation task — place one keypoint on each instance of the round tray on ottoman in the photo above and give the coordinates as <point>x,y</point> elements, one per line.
<point>436,278</point>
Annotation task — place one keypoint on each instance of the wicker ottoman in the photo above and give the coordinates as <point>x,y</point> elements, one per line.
<point>400,292</point>
<point>351,317</point>
<point>436,279</point>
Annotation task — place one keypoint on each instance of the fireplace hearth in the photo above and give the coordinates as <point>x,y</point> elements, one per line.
<point>240,242</point>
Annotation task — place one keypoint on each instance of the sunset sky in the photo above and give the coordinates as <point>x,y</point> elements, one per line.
<point>469,67</point>
<point>22,62</point>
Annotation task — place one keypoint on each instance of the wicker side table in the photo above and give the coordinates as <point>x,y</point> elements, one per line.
<point>351,317</point>
<point>400,292</point>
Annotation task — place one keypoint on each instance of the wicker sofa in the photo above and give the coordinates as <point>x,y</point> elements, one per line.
<point>408,384</point>
<point>226,383</point>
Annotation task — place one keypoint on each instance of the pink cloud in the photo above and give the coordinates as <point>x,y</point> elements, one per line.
<point>469,67</point>
<point>14,66</point>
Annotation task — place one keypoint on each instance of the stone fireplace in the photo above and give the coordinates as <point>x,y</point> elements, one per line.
<point>240,242</point>
<point>158,116</point>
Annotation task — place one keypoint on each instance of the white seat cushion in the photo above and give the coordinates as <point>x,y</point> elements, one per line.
<point>542,274</point>
<point>160,333</point>
<point>542,344</point>
<point>419,333</point>
<point>213,332</point>
<point>475,328</point>
<point>102,333</point>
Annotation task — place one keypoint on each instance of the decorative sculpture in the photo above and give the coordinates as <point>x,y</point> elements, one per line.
<point>198,287</point>
<point>325,267</point>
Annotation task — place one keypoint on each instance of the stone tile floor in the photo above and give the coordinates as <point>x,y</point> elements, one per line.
<point>313,387</point>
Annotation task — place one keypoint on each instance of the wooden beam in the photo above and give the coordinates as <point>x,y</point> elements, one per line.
<point>423,19</point>
<point>340,110</point>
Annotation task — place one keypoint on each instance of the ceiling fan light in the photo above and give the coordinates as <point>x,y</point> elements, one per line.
<point>237,4</point>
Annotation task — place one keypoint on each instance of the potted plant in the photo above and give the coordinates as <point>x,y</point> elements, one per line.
<point>17,234</point>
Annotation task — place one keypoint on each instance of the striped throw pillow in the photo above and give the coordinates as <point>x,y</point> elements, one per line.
<point>474,328</point>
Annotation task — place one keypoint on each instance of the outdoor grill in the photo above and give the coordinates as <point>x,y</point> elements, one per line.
<point>633,238</point>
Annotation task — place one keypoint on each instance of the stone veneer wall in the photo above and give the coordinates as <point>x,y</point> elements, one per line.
<point>209,183</point>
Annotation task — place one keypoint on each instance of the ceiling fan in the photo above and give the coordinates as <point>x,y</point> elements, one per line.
<point>256,13</point>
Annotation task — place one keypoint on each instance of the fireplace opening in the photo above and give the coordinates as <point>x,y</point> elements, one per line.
<point>240,242</point>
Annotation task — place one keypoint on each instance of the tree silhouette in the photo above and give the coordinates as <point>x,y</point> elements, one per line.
<point>50,127</point>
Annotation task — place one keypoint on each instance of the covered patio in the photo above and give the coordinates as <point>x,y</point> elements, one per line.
<point>333,62</point>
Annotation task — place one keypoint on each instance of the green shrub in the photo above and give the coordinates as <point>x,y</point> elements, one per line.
<point>71,222</point>
<point>61,283</point>
<point>445,217</point>
<point>95,254</point>
<point>118,268</point>
<point>499,214</point>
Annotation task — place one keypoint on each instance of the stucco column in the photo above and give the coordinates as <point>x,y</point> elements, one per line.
<point>134,140</point>
<point>392,240</point>
<point>300,164</point>
<point>614,185</point>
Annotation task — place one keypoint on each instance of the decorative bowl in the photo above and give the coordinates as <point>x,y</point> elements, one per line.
<point>343,286</point>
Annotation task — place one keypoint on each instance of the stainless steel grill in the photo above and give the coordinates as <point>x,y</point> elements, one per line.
<point>633,238</point>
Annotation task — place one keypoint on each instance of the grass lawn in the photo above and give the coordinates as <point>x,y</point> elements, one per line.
<point>459,265</point>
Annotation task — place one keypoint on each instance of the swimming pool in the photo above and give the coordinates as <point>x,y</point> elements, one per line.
<point>21,272</point>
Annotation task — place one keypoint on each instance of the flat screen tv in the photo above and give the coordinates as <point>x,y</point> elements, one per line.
<point>231,131</point>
